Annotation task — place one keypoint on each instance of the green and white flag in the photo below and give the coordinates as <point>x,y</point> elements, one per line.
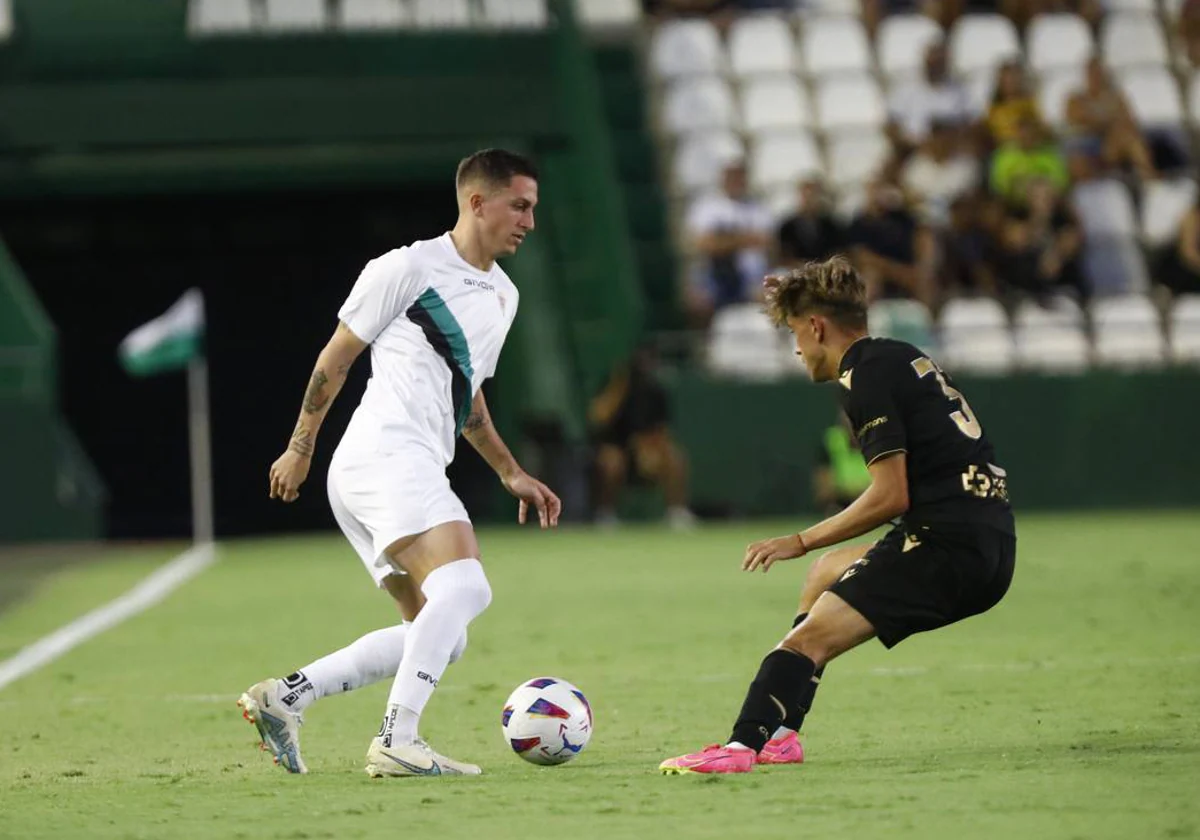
<point>170,341</point>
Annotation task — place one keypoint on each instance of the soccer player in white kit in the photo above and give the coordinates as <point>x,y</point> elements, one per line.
<point>435,315</point>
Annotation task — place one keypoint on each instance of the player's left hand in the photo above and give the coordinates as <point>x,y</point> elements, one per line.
<point>765,552</point>
<point>532,492</point>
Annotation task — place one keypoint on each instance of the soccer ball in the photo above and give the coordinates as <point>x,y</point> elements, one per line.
<point>547,721</point>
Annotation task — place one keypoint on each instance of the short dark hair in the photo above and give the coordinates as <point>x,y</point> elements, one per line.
<point>494,167</point>
<point>831,288</point>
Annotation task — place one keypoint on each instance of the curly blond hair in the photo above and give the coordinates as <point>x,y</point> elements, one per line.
<point>831,288</point>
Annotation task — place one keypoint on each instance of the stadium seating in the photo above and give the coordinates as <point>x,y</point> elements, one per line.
<point>1153,96</point>
<point>761,44</point>
<point>700,157</point>
<point>1112,259</point>
<point>295,15</point>
<point>696,103</point>
<point>1127,332</point>
<point>6,22</point>
<point>982,42</point>
<point>1058,42</point>
<point>608,14</point>
<point>1185,330</point>
<point>856,158</point>
<point>686,48</point>
<point>835,45</point>
<point>743,343</point>
<point>1050,337</point>
<point>220,16</point>
<point>1164,204</point>
<point>1053,93</point>
<point>1131,39</point>
<point>783,158</point>
<point>515,14</point>
<point>441,14</point>
<point>902,42</point>
<point>775,102</point>
<point>904,320</point>
<point>975,336</point>
<point>373,14</point>
<point>849,102</point>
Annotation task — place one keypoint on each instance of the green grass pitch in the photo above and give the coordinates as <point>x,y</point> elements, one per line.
<point>1069,711</point>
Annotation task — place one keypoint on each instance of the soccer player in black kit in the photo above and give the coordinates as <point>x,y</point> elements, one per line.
<point>950,553</point>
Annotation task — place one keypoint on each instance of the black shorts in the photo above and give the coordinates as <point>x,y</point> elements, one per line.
<point>924,577</point>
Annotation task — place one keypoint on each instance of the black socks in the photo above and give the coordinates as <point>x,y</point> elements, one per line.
<point>784,679</point>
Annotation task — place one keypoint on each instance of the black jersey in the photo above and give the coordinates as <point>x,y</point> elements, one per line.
<point>899,400</point>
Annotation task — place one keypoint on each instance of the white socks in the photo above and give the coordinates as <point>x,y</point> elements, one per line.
<point>374,657</point>
<point>454,595</point>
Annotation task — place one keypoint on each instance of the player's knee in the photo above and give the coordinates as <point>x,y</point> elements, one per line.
<point>462,581</point>
<point>460,648</point>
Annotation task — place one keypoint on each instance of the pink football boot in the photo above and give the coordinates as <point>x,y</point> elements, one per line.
<point>785,750</point>
<point>715,758</point>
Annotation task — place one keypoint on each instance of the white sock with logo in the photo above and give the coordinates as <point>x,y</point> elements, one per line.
<point>454,595</point>
<point>371,659</point>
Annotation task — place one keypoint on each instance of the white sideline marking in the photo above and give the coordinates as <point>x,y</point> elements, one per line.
<point>150,591</point>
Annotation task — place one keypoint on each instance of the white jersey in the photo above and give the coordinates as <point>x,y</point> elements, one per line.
<point>436,325</point>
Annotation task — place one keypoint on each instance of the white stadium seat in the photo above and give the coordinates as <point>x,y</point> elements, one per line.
<point>686,48</point>
<point>783,158</point>
<point>6,22</point>
<point>700,157</point>
<point>1185,330</point>
<point>743,343</point>
<point>373,14</point>
<point>1127,332</point>
<point>856,158</point>
<point>1055,90</point>
<point>441,14</point>
<point>698,102</point>
<point>607,14</point>
<point>295,15</point>
<point>761,44</point>
<point>982,42</point>
<point>834,45</point>
<point>1164,204</point>
<point>1112,258</point>
<point>1055,42</point>
<point>1153,96</point>
<point>981,86</point>
<point>903,320</point>
<point>976,337</point>
<point>218,16</point>
<point>826,8</point>
<point>1145,7</point>
<point>1194,97</point>
<point>775,102</point>
<point>902,42</point>
<point>1051,338</point>
<point>516,14</point>
<point>849,102</point>
<point>1129,40</point>
<point>1105,209</point>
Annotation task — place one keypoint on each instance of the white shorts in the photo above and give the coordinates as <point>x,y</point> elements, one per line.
<point>381,495</point>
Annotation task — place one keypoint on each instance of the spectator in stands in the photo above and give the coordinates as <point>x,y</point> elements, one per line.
<point>730,233</point>
<point>936,96</point>
<point>1012,104</point>
<point>941,171</point>
<point>1040,244</point>
<point>841,475</point>
<point>967,250</point>
<point>1189,30</point>
<point>892,252</point>
<point>1101,126</point>
<point>1180,270</point>
<point>1021,12</point>
<point>1031,155</point>
<point>812,233</point>
<point>630,421</point>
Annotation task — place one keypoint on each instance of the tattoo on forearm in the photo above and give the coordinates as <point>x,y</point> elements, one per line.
<point>476,420</point>
<point>343,369</point>
<point>302,441</point>
<point>315,398</point>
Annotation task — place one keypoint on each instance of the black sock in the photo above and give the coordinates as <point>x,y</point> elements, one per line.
<point>782,680</point>
<point>795,719</point>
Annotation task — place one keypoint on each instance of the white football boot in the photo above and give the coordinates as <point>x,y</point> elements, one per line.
<point>278,727</point>
<point>415,759</point>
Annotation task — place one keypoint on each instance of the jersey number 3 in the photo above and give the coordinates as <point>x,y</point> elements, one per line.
<point>963,417</point>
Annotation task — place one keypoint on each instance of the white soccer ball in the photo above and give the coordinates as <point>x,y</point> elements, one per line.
<point>547,721</point>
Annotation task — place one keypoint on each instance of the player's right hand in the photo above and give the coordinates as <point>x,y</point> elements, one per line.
<point>287,474</point>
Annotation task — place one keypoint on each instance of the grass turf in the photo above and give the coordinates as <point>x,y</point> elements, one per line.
<point>1069,711</point>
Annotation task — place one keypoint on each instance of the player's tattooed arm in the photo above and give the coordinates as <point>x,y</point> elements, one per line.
<point>302,441</point>
<point>328,376</point>
<point>481,434</point>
